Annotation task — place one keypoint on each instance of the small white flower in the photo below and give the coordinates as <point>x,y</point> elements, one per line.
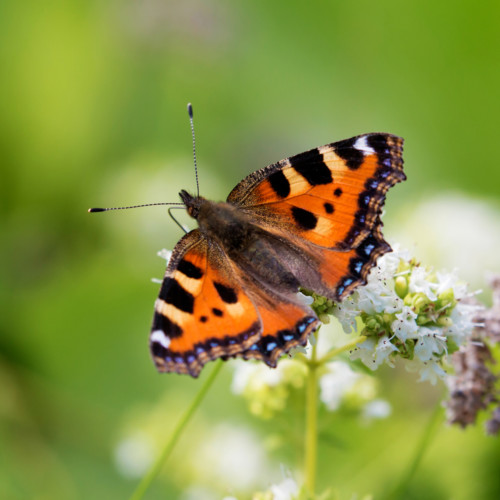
<point>286,490</point>
<point>257,374</point>
<point>430,371</point>
<point>267,389</point>
<point>445,281</point>
<point>405,326</point>
<point>232,456</point>
<point>165,254</point>
<point>392,260</point>
<point>462,317</point>
<point>366,353</point>
<point>379,296</point>
<point>383,350</point>
<point>430,342</point>
<point>134,455</point>
<point>419,283</point>
<point>307,300</point>
<point>376,409</point>
<point>336,382</point>
<point>346,312</point>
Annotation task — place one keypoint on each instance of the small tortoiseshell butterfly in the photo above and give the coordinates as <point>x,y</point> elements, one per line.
<point>311,220</point>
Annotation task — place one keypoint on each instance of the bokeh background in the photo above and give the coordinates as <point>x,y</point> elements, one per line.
<point>93,113</point>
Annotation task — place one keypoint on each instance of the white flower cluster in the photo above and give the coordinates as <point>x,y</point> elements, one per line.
<point>409,311</point>
<point>267,390</point>
<point>341,386</point>
<point>286,490</point>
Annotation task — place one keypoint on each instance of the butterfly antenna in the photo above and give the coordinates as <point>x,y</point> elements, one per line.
<point>93,210</point>
<point>190,112</point>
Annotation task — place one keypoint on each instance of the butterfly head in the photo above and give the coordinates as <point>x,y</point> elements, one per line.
<point>193,203</point>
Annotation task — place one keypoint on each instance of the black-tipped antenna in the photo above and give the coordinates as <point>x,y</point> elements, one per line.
<point>93,210</point>
<point>190,112</point>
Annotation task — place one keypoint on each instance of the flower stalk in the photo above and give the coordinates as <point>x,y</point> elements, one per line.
<point>146,481</point>
<point>314,364</point>
<point>436,418</point>
<point>339,350</point>
<point>311,435</point>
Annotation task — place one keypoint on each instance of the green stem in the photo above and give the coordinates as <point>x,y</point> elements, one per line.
<point>345,347</point>
<point>311,436</point>
<point>155,470</point>
<point>422,446</point>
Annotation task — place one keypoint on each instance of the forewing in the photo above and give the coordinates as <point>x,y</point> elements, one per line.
<point>332,196</point>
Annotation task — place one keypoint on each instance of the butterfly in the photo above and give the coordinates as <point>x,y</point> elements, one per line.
<point>311,221</point>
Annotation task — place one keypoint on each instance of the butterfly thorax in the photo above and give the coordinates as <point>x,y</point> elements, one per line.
<point>220,221</point>
<point>263,257</point>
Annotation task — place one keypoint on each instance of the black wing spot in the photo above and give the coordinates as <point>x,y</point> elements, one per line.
<point>353,157</point>
<point>305,219</point>
<point>168,327</point>
<point>378,142</point>
<point>328,208</point>
<point>217,312</point>
<point>226,293</point>
<point>311,166</point>
<point>189,269</point>
<point>173,293</point>
<point>158,350</point>
<point>280,184</point>
<point>338,192</point>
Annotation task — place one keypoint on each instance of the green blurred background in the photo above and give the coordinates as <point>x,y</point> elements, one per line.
<point>93,113</point>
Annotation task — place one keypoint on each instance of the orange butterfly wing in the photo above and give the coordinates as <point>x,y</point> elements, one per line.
<point>205,310</point>
<point>328,201</point>
<point>324,206</point>
<point>285,325</point>
<point>333,194</point>
<point>201,312</point>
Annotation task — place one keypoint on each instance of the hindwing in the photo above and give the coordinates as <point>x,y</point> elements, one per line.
<point>202,312</point>
<point>207,309</point>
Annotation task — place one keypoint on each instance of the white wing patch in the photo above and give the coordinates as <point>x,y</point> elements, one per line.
<point>362,145</point>
<point>161,338</point>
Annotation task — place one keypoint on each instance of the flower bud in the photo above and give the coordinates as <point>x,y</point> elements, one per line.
<point>324,318</point>
<point>444,321</point>
<point>401,286</point>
